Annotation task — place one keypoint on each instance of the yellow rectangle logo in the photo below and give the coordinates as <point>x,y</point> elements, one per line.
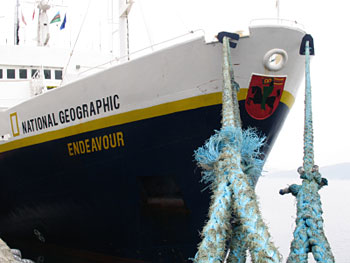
<point>14,124</point>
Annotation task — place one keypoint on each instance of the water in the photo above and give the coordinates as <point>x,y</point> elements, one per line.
<point>279,212</point>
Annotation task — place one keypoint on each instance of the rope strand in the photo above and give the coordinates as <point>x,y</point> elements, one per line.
<point>225,157</point>
<point>309,235</point>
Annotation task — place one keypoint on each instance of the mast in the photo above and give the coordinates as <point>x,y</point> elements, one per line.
<point>124,10</point>
<point>16,36</point>
<point>43,23</point>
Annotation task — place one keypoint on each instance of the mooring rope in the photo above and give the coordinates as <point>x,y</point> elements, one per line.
<point>231,163</point>
<point>309,235</point>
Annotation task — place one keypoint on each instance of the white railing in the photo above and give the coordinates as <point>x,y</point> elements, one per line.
<point>276,22</point>
<point>149,49</point>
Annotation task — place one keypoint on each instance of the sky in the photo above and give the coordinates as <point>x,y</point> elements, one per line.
<point>153,21</point>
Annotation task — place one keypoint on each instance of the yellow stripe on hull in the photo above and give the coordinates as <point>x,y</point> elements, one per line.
<point>131,116</point>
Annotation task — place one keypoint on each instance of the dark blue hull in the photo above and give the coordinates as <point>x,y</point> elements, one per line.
<point>137,200</point>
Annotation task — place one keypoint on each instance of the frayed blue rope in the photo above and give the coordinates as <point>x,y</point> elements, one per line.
<point>225,157</point>
<point>208,155</point>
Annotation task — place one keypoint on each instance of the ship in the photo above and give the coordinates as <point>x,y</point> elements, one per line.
<point>101,169</point>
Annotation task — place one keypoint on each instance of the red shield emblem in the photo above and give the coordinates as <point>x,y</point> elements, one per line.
<point>264,95</point>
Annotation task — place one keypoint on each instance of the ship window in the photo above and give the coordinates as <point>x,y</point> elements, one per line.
<point>58,74</point>
<point>47,73</point>
<point>11,74</point>
<point>22,73</point>
<point>0,73</point>
<point>35,72</point>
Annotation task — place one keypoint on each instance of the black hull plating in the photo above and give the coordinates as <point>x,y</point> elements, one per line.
<point>141,202</point>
